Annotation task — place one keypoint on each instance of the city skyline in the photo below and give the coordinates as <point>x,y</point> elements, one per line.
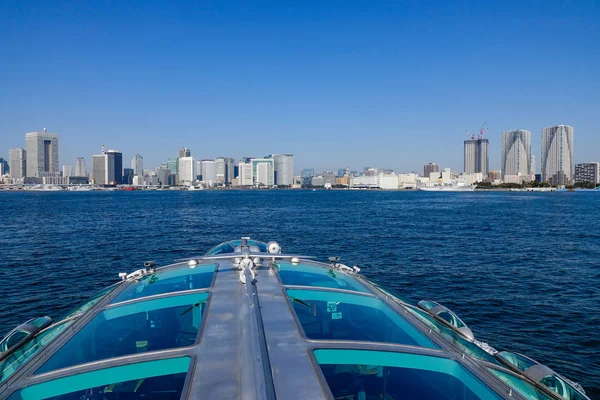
<point>340,85</point>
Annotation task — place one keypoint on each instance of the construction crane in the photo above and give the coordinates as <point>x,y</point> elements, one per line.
<point>482,131</point>
<point>470,134</point>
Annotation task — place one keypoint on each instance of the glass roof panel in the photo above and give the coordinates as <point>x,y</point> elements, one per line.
<point>524,388</point>
<point>159,379</point>
<point>12,363</point>
<point>229,247</point>
<point>341,316</point>
<point>364,374</point>
<point>172,280</point>
<point>139,327</point>
<point>312,275</point>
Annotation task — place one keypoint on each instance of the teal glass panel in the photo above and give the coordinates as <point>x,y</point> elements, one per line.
<point>517,360</point>
<point>561,387</point>
<point>343,316</point>
<point>91,302</point>
<point>161,379</point>
<point>311,275</point>
<point>524,388</point>
<point>12,363</point>
<point>229,247</point>
<point>363,374</point>
<point>173,280</point>
<point>139,327</point>
<point>453,337</point>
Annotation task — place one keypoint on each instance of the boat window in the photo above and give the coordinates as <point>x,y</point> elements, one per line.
<point>12,363</point>
<point>151,325</point>
<point>229,247</point>
<point>524,388</point>
<point>161,379</point>
<point>364,374</point>
<point>174,280</point>
<point>561,387</point>
<point>91,302</point>
<point>454,337</point>
<point>517,360</point>
<point>343,316</point>
<point>311,275</point>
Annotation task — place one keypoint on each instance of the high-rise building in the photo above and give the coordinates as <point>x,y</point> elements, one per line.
<point>557,155</point>
<point>137,165</point>
<point>533,166</point>
<point>186,171</point>
<point>588,172</point>
<point>99,169</point>
<point>516,153</point>
<point>42,153</point>
<point>224,169</point>
<point>80,169</point>
<point>267,176</point>
<point>18,163</point>
<point>209,171</point>
<point>476,156</point>
<point>184,152</point>
<point>67,171</point>
<point>128,176</point>
<point>429,168</point>
<point>163,176</point>
<point>307,175</point>
<point>284,169</point>
<point>245,174</point>
<point>172,164</point>
<point>114,167</point>
<point>3,167</point>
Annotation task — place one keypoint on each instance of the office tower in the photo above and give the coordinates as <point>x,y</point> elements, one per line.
<point>186,171</point>
<point>128,176</point>
<point>137,165</point>
<point>268,174</point>
<point>199,170</point>
<point>224,169</point>
<point>283,169</point>
<point>588,172</point>
<point>114,167</point>
<point>533,166</point>
<point>18,163</point>
<point>341,172</point>
<point>209,171</point>
<point>172,164</point>
<point>99,169</point>
<point>557,155</point>
<point>476,156</point>
<point>515,157</point>
<point>245,174</point>
<point>3,167</point>
<point>429,168</point>
<point>67,171</point>
<point>80,169</point>
<point>307,175</point>
<point>42,153</point>
<point>184,152</point>
<point>163,176</point>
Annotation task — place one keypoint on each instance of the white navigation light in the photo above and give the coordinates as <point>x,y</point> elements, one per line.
<point>295,260</point>
<point>192,263</point>
<point>273,248</point>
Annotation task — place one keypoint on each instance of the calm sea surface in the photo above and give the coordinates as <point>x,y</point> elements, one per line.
<point>522,269</point>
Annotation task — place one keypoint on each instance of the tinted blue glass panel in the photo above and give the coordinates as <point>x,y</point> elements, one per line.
<point>139,327</point>
<point>12,363</point>
<point>361,374</point>
<point>311,275</point>
<point>342,316</point>
<point>160,379</point>
<point>91,302</point>
<point>174,280</point>
<point>524,388</point>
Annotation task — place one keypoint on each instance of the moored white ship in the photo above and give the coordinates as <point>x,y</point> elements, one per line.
<point>447,187</point>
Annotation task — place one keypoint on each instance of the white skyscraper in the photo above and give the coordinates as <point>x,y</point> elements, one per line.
<point>245,174</point>
<point>516,153</point>
<point>42,153</point>
<point>557,155</point>
<point>533,166</point>
<point>137,165</point>
<point>186,171</point>
<point>269,178</point>
<point>18,163</point>
<point>99,168</point>
<point>209,172</point>
<point>284,169</point>
<point>476,156</point>
<point>263,173</point>
<point>80,169</point>
<point>67,171</point>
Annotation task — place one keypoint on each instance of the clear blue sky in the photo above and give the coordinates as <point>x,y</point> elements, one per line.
<point>345,83</point>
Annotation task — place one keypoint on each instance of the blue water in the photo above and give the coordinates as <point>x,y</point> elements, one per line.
<point>522,269</point>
